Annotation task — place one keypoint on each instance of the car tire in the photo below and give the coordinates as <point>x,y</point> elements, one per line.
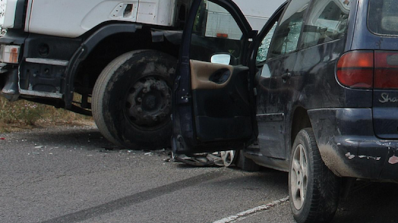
<point>313,189</point>
<point>131,101</point>
<point>247,164</point>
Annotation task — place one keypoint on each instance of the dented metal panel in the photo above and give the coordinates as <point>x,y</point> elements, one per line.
<point>349,147</point>
<point>156,12</point>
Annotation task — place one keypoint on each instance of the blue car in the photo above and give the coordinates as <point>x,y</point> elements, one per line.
<point>314,93</point>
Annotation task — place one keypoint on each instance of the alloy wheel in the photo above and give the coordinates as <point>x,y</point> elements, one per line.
<point>299,176</point>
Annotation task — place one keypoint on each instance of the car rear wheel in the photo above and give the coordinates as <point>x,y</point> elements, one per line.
<point>313,188</point>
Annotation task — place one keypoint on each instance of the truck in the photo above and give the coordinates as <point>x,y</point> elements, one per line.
<point>112,59</point>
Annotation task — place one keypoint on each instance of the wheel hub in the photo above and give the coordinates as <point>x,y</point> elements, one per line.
<point>149,102</point>
<point>298,177</point>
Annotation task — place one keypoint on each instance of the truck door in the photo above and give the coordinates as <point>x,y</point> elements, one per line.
<point>213,93</point>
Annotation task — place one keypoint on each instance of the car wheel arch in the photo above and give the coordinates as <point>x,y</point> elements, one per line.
<point>300,120</point>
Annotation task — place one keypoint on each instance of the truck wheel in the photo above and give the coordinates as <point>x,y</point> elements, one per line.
<point>313,188</point>
<point>131,101</point>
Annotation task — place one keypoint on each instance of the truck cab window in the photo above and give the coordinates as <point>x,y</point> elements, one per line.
<point>215,31</point>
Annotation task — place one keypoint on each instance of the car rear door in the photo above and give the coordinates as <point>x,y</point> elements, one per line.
<point>381,28</point>
<point>213,105</point>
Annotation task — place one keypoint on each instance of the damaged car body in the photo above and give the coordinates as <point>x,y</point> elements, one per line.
<point>314,93</point>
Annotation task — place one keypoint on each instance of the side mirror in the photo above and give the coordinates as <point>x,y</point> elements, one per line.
<point>221,59</point>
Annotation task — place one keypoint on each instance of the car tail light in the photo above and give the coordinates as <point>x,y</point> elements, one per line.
<point>355,69</point>
<point>386,70</point>
<point>365,69</point>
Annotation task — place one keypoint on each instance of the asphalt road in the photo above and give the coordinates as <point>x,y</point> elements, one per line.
<point>72,174</point>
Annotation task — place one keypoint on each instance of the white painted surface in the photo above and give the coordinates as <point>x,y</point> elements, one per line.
<point>219,21</point>
<point>72,18</point>
<point>157,12</point>
<point>257,12</point>
<point>8,8</point>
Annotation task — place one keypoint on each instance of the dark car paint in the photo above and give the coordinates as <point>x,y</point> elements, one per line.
<point>308,85</point>
<point>303,92</point>
<point>280,98</point>
<point>384,114</point>
<point>339,132</point>
<point>213,112</point>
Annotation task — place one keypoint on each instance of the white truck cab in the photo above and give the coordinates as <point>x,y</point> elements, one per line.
<point>66,53</point>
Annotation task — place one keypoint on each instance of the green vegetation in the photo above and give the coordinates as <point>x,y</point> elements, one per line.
<point>24,114</point>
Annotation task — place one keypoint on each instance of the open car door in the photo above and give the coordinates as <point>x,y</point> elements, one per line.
<point>213,93</point>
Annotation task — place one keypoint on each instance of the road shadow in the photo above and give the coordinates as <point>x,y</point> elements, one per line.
<point>369,202</point>
<point>84,138</point>
<point>272,179</point>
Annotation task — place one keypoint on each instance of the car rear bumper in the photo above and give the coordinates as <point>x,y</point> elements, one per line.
<point>349,147</point>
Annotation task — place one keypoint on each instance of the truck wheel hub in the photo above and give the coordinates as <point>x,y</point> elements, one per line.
<point>149,102</point>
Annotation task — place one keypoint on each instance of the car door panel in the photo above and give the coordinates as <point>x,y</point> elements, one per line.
<point>222,111</point>
<point>202,74</point>
<point>272,120</point>
<point>276,83</point>
<point>213,104</point>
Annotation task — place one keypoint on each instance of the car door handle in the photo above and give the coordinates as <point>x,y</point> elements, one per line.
<point>220,76</point>
<point>286,76</point>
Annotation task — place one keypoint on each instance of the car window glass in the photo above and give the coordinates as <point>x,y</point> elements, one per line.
<point>327,21</point>
<point>383,17</point>
<point>265,43</point>
<point>287,34</point>
<point>215,31</point>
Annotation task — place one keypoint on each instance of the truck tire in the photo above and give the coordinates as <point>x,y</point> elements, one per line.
<point>131,101</point>
<point>313,189</point>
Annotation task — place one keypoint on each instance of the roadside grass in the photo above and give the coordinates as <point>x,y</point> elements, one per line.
<point>23,114</point>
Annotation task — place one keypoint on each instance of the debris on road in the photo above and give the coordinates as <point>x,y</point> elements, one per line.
<point>201,159</point>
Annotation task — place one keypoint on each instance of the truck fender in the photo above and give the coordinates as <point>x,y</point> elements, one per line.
<point>85,49</point>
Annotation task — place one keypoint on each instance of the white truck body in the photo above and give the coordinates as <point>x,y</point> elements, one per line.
<point>256,12</point>
<point>46,17</point>
<point>220,22</point>
<point>56,18</point>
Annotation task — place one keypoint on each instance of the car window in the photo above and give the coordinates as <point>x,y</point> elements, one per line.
<point>265,43</point>
<point>327,21</point>
<point>215,31</point>
<point>288,32</point>
<point>383,17</point>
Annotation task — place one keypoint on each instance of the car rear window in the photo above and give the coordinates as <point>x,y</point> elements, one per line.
<point>383,17</point>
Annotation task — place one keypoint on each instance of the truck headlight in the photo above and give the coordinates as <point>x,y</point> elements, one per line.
<point>9,53</point>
